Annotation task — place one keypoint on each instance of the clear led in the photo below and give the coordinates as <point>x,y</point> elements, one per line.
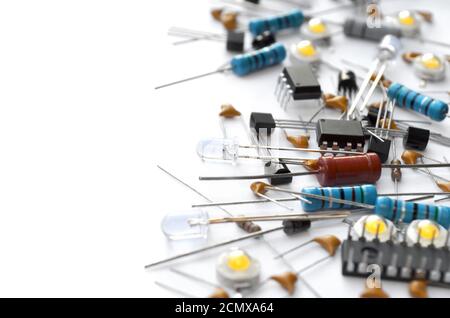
<point>218,149</point>
<point>188,224</point>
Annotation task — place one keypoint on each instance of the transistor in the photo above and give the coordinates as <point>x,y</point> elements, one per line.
<point>347,83</point>
<point>247,63</point>
<point>297,83</point>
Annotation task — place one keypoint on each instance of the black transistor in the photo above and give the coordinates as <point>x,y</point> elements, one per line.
<point>235,41</point>
<point>416,138</point>
<point>340,134</point>
<point>380,146</point>
<point>262,121</point>
<point>297,83</point>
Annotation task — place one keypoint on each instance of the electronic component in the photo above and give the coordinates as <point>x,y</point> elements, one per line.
<point>317,31</point>
<point>429,67</point>
<point>416,138</point>
<point>407,22</point>
<point>297,83</point>
<point>260,121</point>
<point>237,269</point>
<point>358,28</point>
<point>235,41</point>
<point>404,211</point>
<point>426,233</point>
<point>397,260</point>
<point>409,99</point>
<point>374,227</point>
<point>340,134</point>
<point>176,225</point>
<point>347,83</point>
<point>380,147</point>
<point>362,194</point>
<point>246,63</point>
<point>418,288</point>
<point>304,52</point>
<point>293,19</point>
<point>264,39</point>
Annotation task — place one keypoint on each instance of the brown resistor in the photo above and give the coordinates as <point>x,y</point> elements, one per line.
<point>396,173</point>
<point>249,226</point>
<point>286,280</point>
<point>410,156</point>
<point>418,289</point>
<point>219,293</point>
<point>228,111</point>
<point>330,243</point>
<point>374,293</point>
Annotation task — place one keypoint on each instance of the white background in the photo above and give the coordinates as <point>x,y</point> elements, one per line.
<point>82,129</point>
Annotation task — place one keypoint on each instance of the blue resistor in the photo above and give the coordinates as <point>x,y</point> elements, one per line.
<point>407,98</point>
<point>293,19</point>
<point>396,210</point>
<point>249,62</point>
<point>362,194</point>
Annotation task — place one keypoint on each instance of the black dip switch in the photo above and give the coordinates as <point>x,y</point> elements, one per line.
<point>262,40</point>
<point>235,41</point>
<point>416,138</point>
<point>302,82</point>
<point>262,121</point>
<point>332,132</point>
<point>380,148</point>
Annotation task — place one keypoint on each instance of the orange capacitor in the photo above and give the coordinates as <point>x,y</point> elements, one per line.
<point>348,170</point>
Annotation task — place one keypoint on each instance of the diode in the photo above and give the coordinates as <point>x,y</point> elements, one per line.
<point>248,226</point>
<point>246,63</point>
<point>406,98</point>
<point>387,50</point>
<point>289,227</point>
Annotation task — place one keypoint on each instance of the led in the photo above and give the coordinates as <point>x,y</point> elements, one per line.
<point>425,232</point>
<point>430,67</point>
<point>237,269</point>
<point>178,225</point>
<point>316,25</point>
<point>405,17</point>
<point>374,227</point>
<point>304,52</point>
<point>218,149</point>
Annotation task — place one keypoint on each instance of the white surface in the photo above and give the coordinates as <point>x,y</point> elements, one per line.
<point>82,130</point>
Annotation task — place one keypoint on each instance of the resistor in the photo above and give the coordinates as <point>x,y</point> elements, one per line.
<point>276,23</point>
<point>361,194</point>
<point>396,173</point>
<point>246,63</point>
<point>358,28</point>
<point>405,211</point>
<point>407,98</point>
